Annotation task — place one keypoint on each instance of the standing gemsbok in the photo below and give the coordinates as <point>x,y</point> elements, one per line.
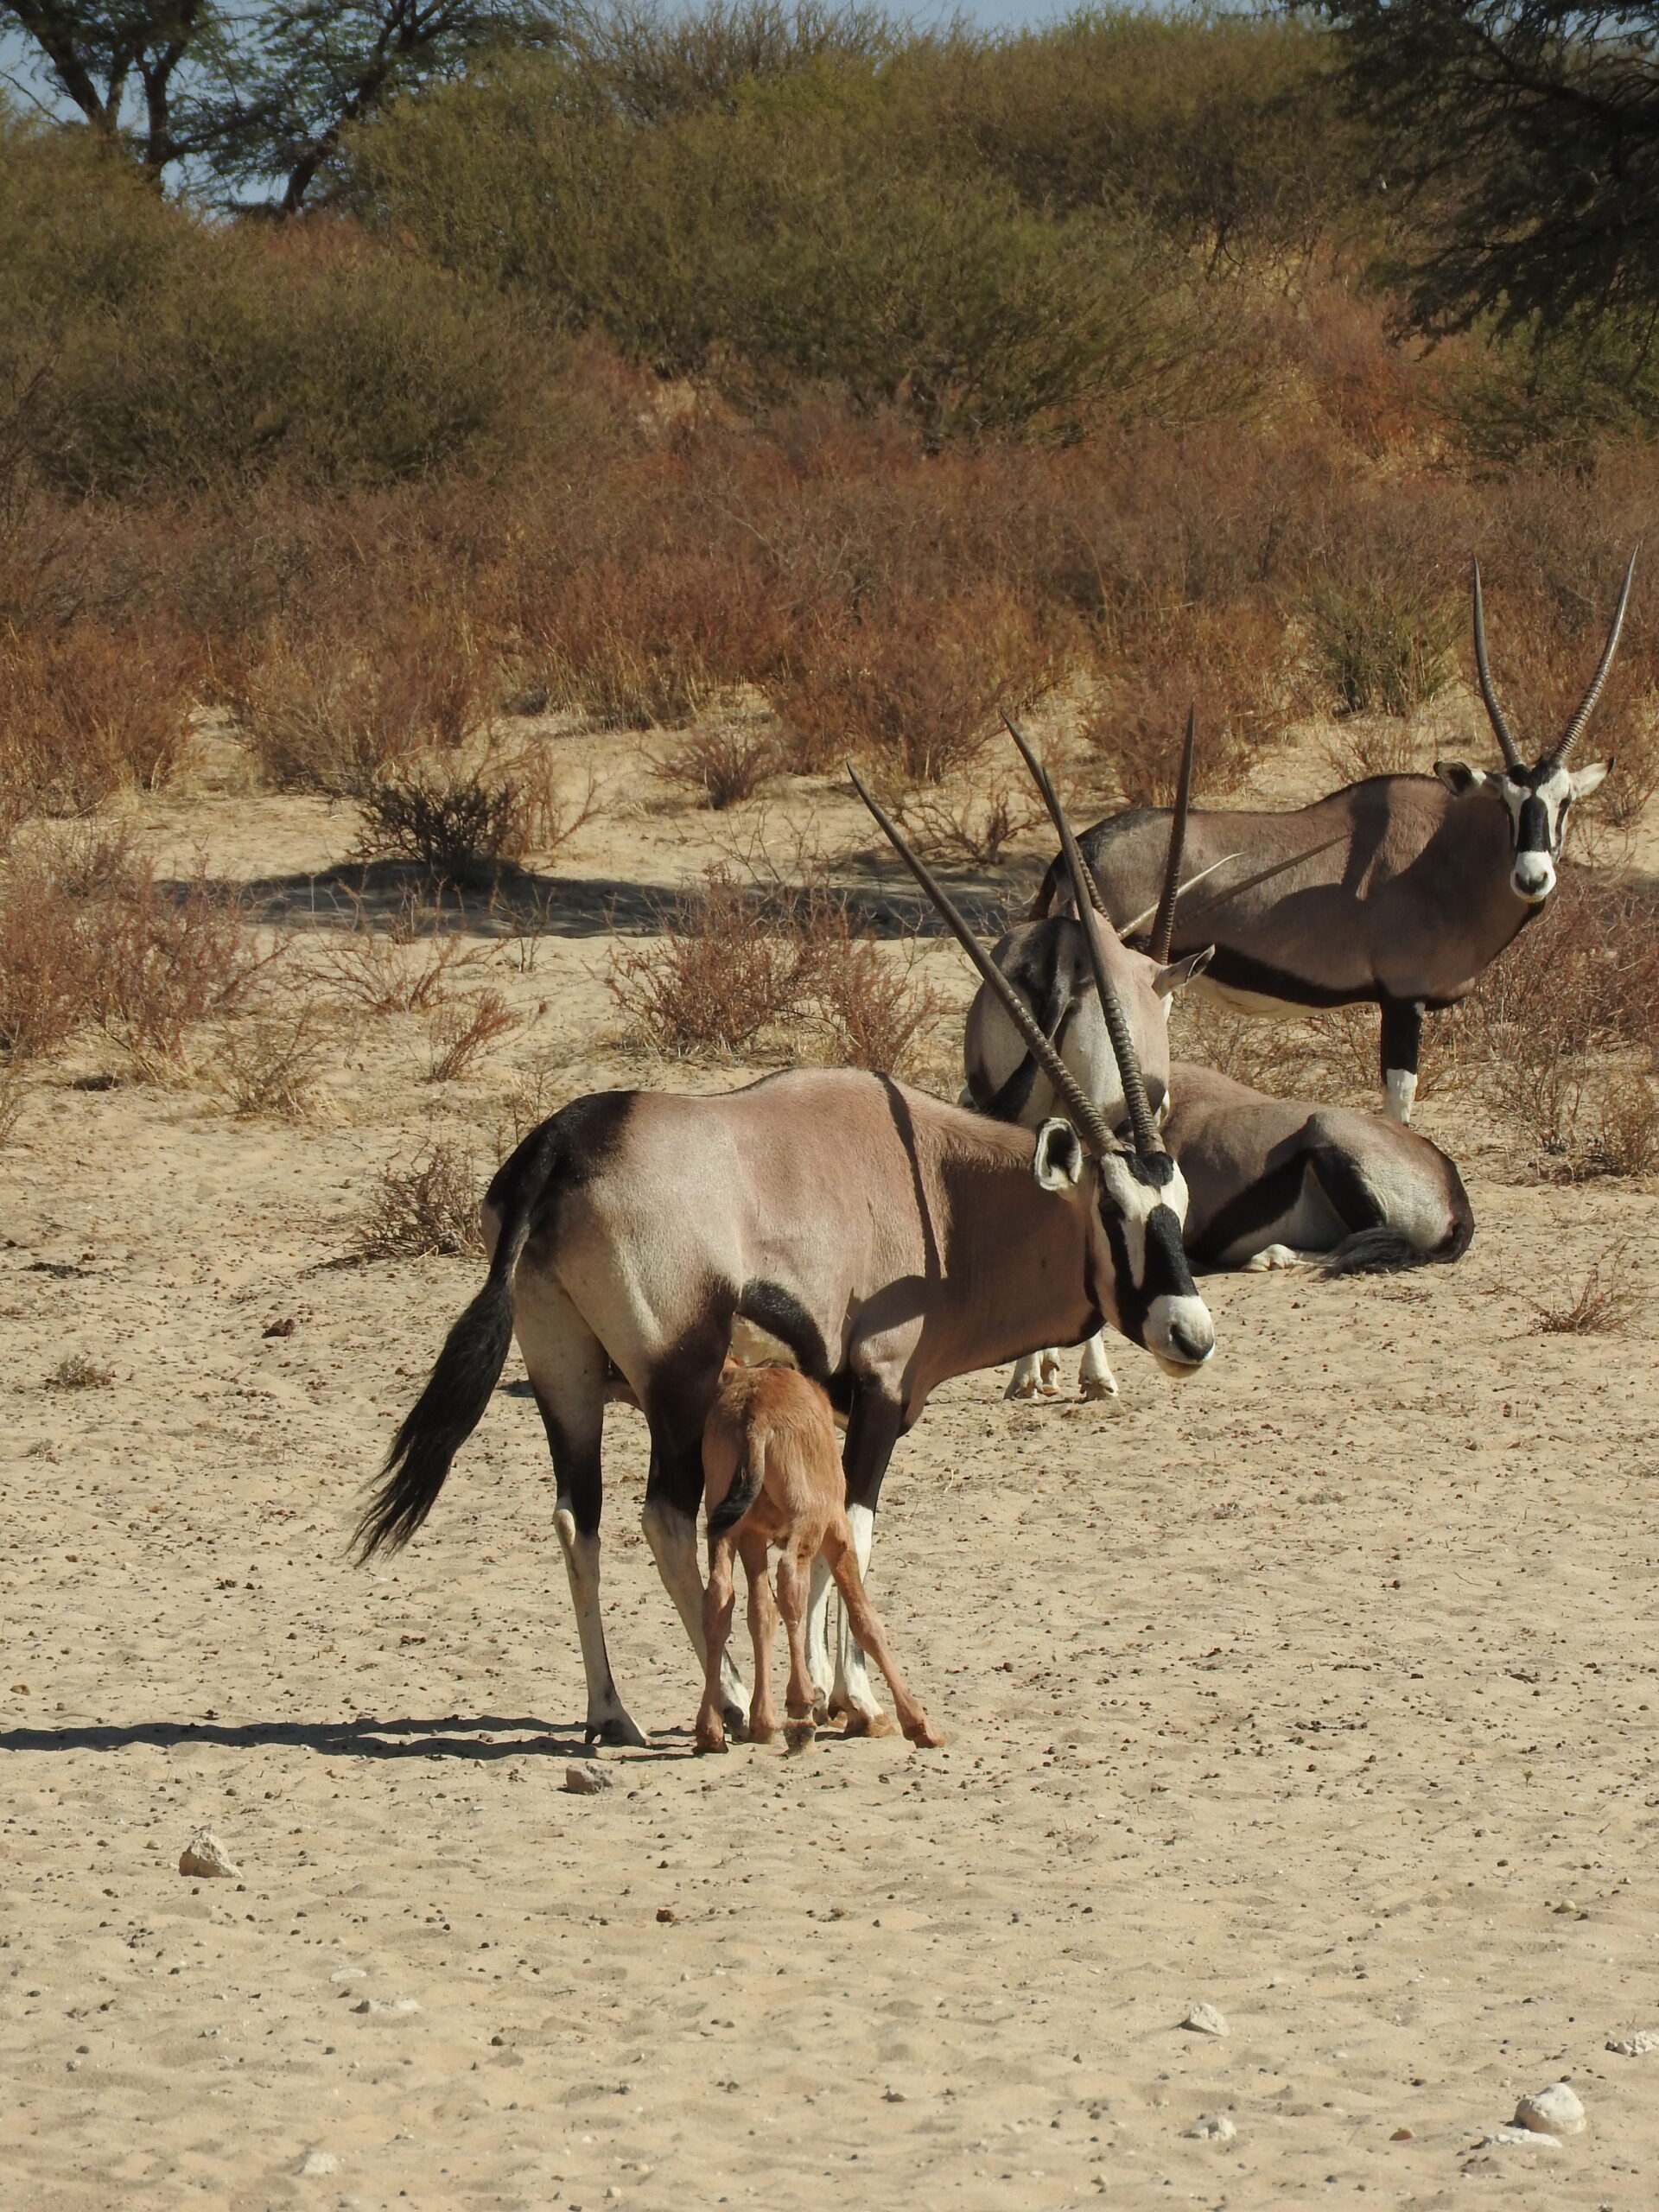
<point>1049,963</point>
<point>889,1240</point>
<point>1397,892</point>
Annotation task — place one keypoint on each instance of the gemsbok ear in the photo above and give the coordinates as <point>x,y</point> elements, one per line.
<point>1169,980</point>
<point>1459,779</point>
<point>1585,780</point>
<point>1059,1162</point>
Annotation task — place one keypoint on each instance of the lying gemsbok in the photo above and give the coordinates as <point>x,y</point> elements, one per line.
<point>889,1240</point>
<point>1272,1182</point>
<point>1396,892</point>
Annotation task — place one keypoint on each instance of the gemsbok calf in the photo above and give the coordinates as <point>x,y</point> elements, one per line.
<point>1398,892</point>
<point>888,1240</point>
<point>771,1476</point>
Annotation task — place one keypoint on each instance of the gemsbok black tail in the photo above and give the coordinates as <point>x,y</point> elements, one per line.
<point>457,1390</point>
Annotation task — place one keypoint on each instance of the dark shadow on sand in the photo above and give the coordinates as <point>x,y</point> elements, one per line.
<point>480,1736</point>
<point>516,902</point>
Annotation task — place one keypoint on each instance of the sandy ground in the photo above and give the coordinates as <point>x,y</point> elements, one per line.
<point>1318,1689</point>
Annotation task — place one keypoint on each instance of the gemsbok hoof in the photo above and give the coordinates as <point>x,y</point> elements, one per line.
<point>926,1738</point>
<point>799,1735</point>
<point>869,1723</point>
<point>710,1739</point>
<point>1091,1387</point>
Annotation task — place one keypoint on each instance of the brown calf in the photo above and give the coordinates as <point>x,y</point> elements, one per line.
<point>771,1475</point>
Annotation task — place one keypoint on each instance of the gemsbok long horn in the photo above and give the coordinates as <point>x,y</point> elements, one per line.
<point>1587,705</point>
<point>1163,929</point>
<point>1494,713</point>
<point>1138,922</point>
<point>1147,1143</point>
<point>1086,1117</point>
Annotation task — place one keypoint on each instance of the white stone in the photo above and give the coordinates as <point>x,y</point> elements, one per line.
<point>397,2004</point>
<point>1554,2111</point>
<point>588,1779</point>
<point>1212,2127</point>
<point>1204,2020</point>
<point>205,1856</point>
<point>319,2162</point>
<point>1636,2045</point>
<point>1529,2138</point>
<point>349,1974</point>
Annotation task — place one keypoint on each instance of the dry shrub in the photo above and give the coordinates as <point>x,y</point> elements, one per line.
<point>733,966</point>
<point>973,827</point>
<point>77,1372</point>
<point>402,969</point>
<point>464,825</point>
<point>457,1033</point>
<point>1378,745</point>
<point>91,936</point>
<point>916,681</point>
<point>719,974</point>
<point>428,1207</point>
<point>331,711</point>
<point>269,1064</point>
<point>1604,1304</point>
<point>1230,665</point>
<point>1381,643</point>
<point>87,711</point>
<point>726,764</point>
<point>635,638</point>
<point>445,818</point>
<point>871,1009</point>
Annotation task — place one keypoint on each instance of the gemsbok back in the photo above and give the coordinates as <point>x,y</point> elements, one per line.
<point>1397,892</point>
<point>888,1240</point>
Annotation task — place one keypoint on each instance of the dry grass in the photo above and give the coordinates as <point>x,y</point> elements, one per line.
<point>465,824</point>
<point>89,710</point>
<point>424,1207</point>
<point>459,1032</point>
<point>717,977</point>
<point>734,966</point>
<point>1228,664</point>
<point>91,937</point>
<point>971,827</point>
<point>1606,1302</point>
<point>724,765</point>
<point>269,1065</point>
<point>77,1372</point>
<point>403,969</point>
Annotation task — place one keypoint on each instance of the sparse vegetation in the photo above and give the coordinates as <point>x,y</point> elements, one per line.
<point>460,1032</point>
<point>76,1371</point>
<point>426,1206</point>
<point>1605,1303</point>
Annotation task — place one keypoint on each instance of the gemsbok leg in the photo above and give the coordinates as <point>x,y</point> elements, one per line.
<point>1401,1042</point>
<point>873,1426</point>
<point>676,1406</point>
<point>567,1367</point>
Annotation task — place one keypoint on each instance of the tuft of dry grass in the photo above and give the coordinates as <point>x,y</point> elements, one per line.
<point>271,1064</point>
<point>460,1032</point>
<point>1605,1303</point>
<point>972,827</point>
<point>426,1206</point>
<point>399,970</point>
<point>77,1372</point>
<point>726,764</point>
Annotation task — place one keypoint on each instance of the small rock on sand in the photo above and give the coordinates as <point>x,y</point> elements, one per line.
<point>1636,2044</point>
<point>397,2004</point>
<point>319,2162</point>
<point>206,1856</point>
<point>1554,2111</point>
<point>1528,2138</point>
<point>588,1778</point>
<point>1212,2127</point>
<point>1204,2020</point>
